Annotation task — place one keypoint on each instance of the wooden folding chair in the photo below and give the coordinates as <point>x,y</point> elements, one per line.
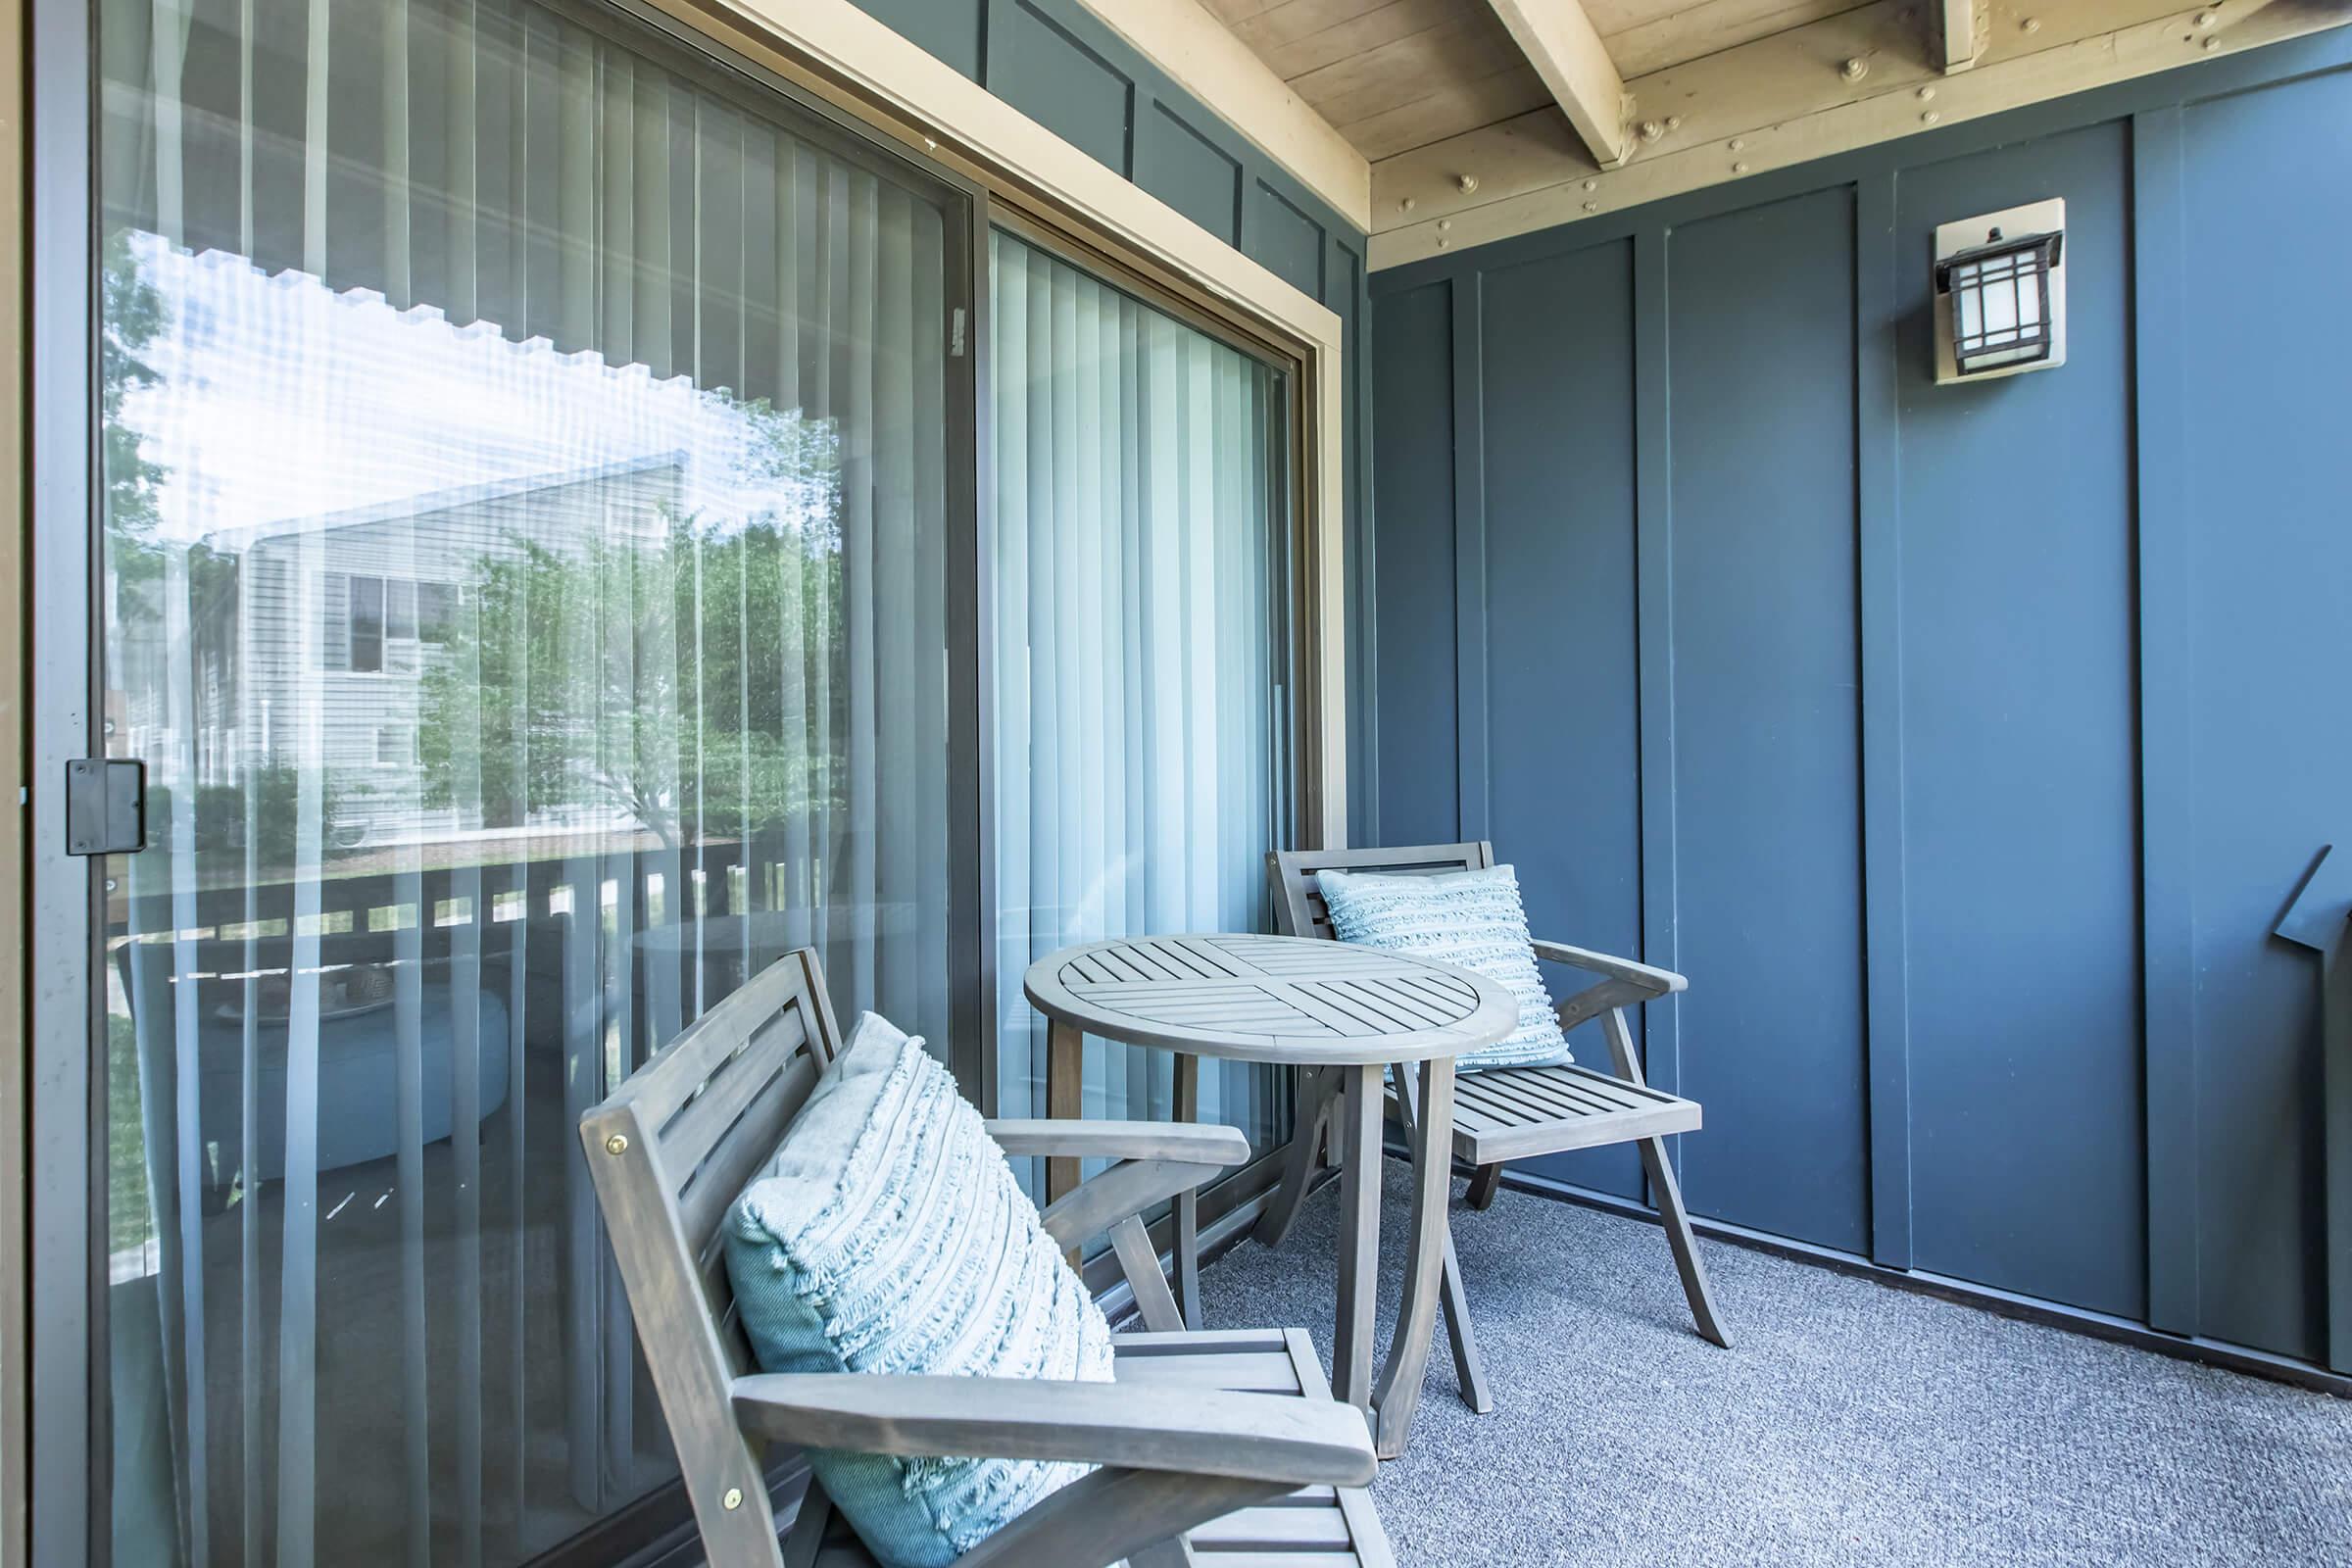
<point>1505,1113</point>
<point>1223,1445</point>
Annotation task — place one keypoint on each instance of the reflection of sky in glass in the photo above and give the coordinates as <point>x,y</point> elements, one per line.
<point>278,400</point>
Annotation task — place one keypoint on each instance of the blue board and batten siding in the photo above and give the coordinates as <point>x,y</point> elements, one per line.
<point>1961,744</point>
<point>1062,66</point>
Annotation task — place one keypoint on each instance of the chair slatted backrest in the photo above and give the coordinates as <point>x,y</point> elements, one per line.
<point>1298,906</point>
<point>670,1150</point>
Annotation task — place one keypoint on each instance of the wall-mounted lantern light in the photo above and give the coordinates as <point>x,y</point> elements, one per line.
<point>2000,293</point>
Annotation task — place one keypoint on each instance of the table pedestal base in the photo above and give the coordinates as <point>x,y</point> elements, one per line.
<point>1389,1404</point>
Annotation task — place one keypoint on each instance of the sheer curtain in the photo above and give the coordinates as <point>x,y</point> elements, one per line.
<point>1138,568</point>
<point>526,481</point>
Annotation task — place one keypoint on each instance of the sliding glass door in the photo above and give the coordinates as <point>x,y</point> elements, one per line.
<point>544,570</point>
<point>526,471</point>
<point>1140,563</point>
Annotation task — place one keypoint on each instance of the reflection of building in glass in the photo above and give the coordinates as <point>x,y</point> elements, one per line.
<point>329,482</point>
<point>388,585</point>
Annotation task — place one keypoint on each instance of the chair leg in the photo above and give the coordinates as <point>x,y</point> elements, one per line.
<point>1469,1367</point>
<point>806,1540</point>
<point>1298,1163</point>
<point>1668,1193</point>
<point>1188,1203</point>
<point>1483,1185</point>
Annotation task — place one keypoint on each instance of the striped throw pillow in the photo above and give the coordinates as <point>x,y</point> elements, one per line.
<point>1472,918</point>
<point>889,1235</point>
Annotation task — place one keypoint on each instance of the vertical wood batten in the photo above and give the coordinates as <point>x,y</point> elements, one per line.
<point>2335,1030</point>
<point>1654,590</point>
<point>2166,801</point>
<point>1362,561</point>
<point>1878,447</point>
<point>16,544</point>
<point>1472,802</point>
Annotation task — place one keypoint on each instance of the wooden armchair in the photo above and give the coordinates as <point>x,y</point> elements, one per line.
<point>1230,1441</point>
<point>1504,1113</point>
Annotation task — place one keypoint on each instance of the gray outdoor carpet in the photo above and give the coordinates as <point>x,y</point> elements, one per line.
<point>1853,1423</point>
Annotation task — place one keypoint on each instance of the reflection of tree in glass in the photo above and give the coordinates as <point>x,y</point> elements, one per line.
<point>131,317</point>
<point>262,805</point>
<point>679,675</point>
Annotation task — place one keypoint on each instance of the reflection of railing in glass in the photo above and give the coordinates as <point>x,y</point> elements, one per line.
<point>529,595</point>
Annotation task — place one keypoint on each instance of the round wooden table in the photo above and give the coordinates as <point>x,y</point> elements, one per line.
<point>1299,1001</point>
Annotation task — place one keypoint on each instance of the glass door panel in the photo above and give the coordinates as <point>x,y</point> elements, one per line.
<point>1140,570</point>
<point>526,461</point>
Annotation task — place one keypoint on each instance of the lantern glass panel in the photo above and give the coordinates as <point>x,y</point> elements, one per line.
<point>2000,312</point>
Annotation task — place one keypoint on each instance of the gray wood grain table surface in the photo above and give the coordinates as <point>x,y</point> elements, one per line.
<point>1295,1002</point>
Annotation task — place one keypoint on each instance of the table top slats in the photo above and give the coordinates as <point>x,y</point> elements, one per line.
<point>1364,1006</point>
<point>1125,965</point>
<point>1409,1002</point>
<point>1183,958</point>
<point>1271,999</point>
<point>1091,969</point>
<point>1210,956</point>
<point>1157,991</point>
<point>1442,989</point>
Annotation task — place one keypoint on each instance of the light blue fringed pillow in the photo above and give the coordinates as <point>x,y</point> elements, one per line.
<point>887,1234</point>
<point>1473,919</point>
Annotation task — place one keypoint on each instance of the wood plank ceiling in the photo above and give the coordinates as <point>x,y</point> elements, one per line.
<point>1481,119</point>
<point>1394,75</point>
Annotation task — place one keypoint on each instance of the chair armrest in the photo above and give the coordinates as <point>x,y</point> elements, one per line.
<point>1207,1432</point>
<point>1157,1162</point>
<point>1127,1189</point>
<point>1651,982</point>
<point>1123,1140</point>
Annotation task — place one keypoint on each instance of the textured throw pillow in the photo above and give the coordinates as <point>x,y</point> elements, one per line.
<point>1473,919</point>
<point>887,1234</point>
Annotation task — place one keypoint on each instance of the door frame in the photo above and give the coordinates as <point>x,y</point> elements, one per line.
<point>67,1326</point>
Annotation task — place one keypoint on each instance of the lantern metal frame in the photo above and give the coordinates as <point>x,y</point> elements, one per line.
<point>2021,251</point>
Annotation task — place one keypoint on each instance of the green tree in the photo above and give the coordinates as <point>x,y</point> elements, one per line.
<point>679,677</point>
<point>131,315</point>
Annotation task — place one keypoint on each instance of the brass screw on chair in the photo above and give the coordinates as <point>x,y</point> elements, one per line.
<point>619,1144</point>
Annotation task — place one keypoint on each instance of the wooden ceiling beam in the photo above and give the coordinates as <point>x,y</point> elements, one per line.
<point>1958,32</point>
<point>1793,97</point>
<point>1561,43</point>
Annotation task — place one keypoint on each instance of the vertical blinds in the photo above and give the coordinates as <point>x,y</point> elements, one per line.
<point>1138,547</point>
<point>646,393</point>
